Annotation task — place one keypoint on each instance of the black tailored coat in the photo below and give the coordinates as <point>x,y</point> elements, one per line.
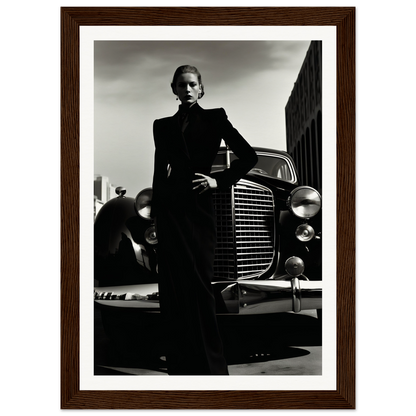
<point>185,221</point>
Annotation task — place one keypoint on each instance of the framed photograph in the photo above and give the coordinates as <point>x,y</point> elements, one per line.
<point>286,311</point>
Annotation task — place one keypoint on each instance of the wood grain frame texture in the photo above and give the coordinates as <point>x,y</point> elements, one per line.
<point>344,20</point>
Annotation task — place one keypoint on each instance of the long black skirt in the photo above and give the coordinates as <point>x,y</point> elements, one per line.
<point>187,237</point>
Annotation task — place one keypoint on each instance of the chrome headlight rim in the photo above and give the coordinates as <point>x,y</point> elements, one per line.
<point>150,235</point>
<point>142,203</point>
<point>305,233</point>
<point>296,197</point>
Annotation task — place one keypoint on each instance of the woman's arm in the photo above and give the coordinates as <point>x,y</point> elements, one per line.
<point>247,157</point>
<point>160,170</point>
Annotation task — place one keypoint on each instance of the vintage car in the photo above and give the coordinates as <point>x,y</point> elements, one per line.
<point>267,261</point>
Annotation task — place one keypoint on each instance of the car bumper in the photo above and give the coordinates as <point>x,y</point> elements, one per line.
<point>242,297</point>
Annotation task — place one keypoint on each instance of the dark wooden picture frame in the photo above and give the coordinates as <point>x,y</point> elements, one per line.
<point>343,18</point>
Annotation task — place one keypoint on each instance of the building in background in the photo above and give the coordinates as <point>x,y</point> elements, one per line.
<point>304,119</point>
<point>103,192</point>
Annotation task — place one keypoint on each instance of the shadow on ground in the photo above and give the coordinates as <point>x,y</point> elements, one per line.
<point>247,340</point>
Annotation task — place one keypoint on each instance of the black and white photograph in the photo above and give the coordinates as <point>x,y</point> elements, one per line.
<point>207,207</point>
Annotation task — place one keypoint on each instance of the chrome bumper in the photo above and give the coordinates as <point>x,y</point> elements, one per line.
<point>262,297</point>
<point>242,297</point>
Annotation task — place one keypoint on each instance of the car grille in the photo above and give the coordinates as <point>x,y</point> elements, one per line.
<point>245,231</point>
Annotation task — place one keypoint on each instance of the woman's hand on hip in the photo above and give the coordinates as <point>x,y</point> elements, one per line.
<point>204,183</point>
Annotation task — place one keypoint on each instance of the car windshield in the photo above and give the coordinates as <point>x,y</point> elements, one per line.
<point>269,164</point>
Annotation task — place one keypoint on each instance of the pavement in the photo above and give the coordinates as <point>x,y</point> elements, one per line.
<point>289,344</point>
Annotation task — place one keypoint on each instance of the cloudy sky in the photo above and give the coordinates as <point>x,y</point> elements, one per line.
<point>251,80</point>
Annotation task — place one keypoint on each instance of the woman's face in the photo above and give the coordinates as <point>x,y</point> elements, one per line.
<point>187,88</point>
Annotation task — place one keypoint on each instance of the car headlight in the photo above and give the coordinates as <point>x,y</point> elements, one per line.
<point>143,203</point>
<point>150,235</point>
<point>304,202</point>
<point>294,266</point>
<point>305,233</point>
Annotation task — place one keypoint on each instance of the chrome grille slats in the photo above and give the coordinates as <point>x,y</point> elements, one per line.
<point>245,231</point>
<point>224,252</point>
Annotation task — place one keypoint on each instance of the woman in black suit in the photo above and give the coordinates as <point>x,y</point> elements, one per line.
<point>186,145</point>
